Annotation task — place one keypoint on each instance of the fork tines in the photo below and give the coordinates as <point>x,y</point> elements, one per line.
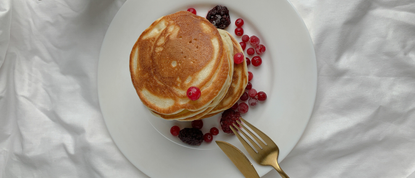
<point>261,148</point>
<point>258,144</point>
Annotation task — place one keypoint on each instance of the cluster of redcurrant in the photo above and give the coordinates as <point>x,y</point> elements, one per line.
<point>253,41</point>
<point>194,135</point>
<point>250,94</point>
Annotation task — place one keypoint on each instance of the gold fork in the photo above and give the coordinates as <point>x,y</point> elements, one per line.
<point>266,154</point>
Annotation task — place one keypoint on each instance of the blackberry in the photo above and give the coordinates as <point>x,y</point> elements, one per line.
<point>191,136</point>
<point>219,17</point>
<point>228,118</point>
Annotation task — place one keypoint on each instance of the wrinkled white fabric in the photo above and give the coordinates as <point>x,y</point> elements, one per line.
<point>363,122</point>
<point>51,124</point>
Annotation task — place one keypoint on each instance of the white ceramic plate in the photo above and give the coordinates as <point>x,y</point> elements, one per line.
<point>288,75</point>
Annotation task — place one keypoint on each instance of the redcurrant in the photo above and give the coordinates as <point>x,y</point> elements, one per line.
<point>256,61</point>
<point>192,10</point>
<point>250,51</point>
<point>235,106</point>
<point>245,38</point>
<point>243,45</point>
<point>175,130</point>
<point>208,137</point>
<point>244,97</point>
<point>238,58</point>
<point>239,31</point>
<point>193,93</point>
<point>248,86</point>
<point>239,22</point>
<point>198,124</point>
<point>250,76</point>
<point>252,93</point>
<point>260,49</point>
<point>252,101</point>
<point>262,96</point>
<point>214,131</point>
<point>254,41</point>
<point>243,108</point>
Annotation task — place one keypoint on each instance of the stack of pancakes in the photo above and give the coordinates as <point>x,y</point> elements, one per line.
<point>182,50</point>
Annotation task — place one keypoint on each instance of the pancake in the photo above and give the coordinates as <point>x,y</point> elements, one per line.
<point>228,48</point>
<point>239,82</point>
<point>193,115</point>
<point>176,52</point>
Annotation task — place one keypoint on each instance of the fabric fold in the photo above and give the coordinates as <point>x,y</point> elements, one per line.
<point>5,21</point>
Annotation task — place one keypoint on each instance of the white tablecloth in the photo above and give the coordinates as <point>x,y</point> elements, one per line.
<point>363,123</point>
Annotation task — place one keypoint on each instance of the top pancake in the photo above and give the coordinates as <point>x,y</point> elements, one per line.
<point>228,48</point>
<point>187,115</point>
<point>176,52</point>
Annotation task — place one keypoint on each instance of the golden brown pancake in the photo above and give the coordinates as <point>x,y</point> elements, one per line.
<point>239,82</point>
<point>228,48</point>
<point>176,52</point>
<point>193,115</point>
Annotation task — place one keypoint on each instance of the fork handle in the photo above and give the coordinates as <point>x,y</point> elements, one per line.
<point>279,170</point>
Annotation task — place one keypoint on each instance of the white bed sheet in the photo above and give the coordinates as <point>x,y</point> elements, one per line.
<point>363,123</point>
